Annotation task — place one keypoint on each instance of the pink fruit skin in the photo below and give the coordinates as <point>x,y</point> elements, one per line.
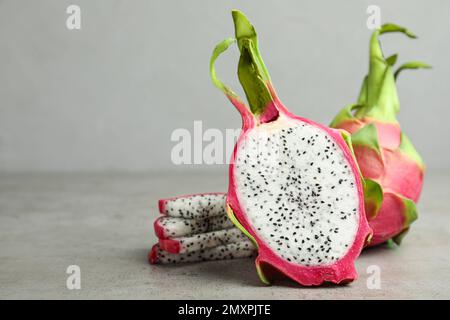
<point>394,171</point>
<point>159,230</point>
<point>340,272</point>
<point>388,222</point>
<point>153,255</point>
<point>388,133</point>
<point>170,245</point>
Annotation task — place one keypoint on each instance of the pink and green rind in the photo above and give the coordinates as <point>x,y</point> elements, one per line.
<point>407,149</point>
<point>399,170</point>
<point>389,134</point>
<point>395,216</point>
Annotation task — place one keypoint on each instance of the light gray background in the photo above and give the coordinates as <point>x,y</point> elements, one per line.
<point>108,97</point>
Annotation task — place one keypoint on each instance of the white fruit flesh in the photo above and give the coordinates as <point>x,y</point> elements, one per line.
<point>209,240</point>
<point>180,227</point>
<point>230,251</point>
<point>199,206</point>
<point>298,191</point>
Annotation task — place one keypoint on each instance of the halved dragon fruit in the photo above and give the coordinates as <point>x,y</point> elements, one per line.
<point>294,187</point>
<point>392,168</point>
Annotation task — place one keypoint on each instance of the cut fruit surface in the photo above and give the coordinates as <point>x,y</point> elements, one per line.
<point>170,227</point>
<point>225,252</point>
<point>202,241</point>
<point>197,206</point>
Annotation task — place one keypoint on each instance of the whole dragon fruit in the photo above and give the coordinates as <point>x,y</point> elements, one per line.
<point>294,187</point>
<point>391,166</point>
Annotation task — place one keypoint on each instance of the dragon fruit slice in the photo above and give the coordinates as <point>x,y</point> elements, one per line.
<point>294,187</point>
<point>238,250</point>
<point>202,241</point>
<point>391,166</point>
<point>169,227</point>
<point>196,206</point>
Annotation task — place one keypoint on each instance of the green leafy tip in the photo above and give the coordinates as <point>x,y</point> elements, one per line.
<point>346,114</point>
<point>391,27</point>
<point>392,59</point>
<point>411,65</point>
<point>367,136</point>
<point>218,50</point>
<point>410,212</point>
<point>252,80</point>
<point>348,141</point>
<point>376,54</point>
<point>244,32</point>
<point>252,72</point>
<point>379,93</point>
<point>373,195</point>
<point>407,148</point>
<point>399,238</point>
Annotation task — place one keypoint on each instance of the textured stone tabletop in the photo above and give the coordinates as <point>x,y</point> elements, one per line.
<point>103,223</point>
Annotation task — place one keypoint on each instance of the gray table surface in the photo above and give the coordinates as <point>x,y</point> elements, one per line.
<point>103,223</point>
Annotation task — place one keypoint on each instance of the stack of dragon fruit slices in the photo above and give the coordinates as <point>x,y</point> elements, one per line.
<point>196,228</point>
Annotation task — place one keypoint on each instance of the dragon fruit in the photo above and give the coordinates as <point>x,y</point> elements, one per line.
<point>195,206</point>
<point>391,166</point>
<point>169,227</point>
<point>192,214</point>
<point>202,241</point>
<point>294,187</point>
<point>242,249</point>
<point>208,225</point>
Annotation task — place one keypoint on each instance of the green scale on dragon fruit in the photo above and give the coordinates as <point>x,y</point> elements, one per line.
<point>392,168</point>
<point>294,186</point>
